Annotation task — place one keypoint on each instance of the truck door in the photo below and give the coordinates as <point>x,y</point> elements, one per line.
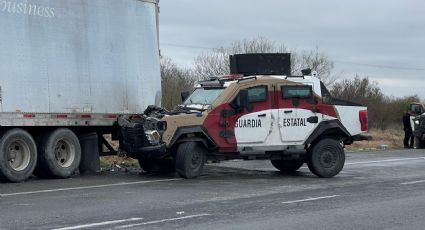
<point>298,114</point>
<point>253,124</point>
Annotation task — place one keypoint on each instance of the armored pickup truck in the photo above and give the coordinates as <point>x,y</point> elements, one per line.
<point>259,111</point>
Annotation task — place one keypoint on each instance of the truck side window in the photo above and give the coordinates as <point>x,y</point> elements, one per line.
<point>296,91</point>
<point>257,93</point>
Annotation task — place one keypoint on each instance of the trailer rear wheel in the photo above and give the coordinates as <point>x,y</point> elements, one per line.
<point>18,155</point>
<point>326,158</point>
<point>190,159</point>
<point>287,166</point>
<point>59,154</point>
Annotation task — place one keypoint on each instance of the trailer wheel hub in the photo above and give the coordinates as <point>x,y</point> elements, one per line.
<point>64,153</point>
<point>18,155</point>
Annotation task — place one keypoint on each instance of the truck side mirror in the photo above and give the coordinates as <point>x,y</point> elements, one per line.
<point>184,95</point>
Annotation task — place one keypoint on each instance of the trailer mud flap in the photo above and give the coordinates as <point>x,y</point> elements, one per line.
<point>90,161</point>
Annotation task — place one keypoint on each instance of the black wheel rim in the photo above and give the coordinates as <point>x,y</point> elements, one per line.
<point>328,158</point>
<point>196,161</point>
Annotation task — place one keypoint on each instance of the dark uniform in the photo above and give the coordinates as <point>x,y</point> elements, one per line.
<point>408,134</point>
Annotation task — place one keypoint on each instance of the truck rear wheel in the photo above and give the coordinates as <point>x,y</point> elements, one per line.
<point>157,166</point>
<point>18,155</point>
<point>59,154</point>
<point>287,166</point>
<point>190,159</point>
<point>326,158</point>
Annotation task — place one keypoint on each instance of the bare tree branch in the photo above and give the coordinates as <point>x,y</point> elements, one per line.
<point>216,62</point>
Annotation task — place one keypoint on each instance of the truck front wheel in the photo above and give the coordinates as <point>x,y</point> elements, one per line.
<point>59,154</point>
<point>18,155</point>
<point>287,166</point>
<point>326,158</point>
<point>190,159</point>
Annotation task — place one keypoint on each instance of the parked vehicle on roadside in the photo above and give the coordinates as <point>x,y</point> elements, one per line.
<point>418,119</point>
<point>68,70</point>
<point>259,111</point>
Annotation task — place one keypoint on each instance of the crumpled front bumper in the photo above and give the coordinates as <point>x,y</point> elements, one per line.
<point>134,141</point>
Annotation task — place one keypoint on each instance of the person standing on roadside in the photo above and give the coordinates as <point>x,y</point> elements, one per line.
<point>408,133</point>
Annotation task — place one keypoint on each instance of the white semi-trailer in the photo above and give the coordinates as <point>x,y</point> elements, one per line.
<point>68,69</point>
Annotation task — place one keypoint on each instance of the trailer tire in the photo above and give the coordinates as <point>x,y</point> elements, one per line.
<point>18,155</point>
<point>157,166</point>
<point>190,159</point>
<point>287,166</point>
<point>59,154</point>
<point>326,158</point>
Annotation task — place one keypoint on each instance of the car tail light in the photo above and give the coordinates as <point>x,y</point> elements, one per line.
<point>363,120</point>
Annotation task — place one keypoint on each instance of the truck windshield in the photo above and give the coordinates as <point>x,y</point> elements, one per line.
<point>203,96</point>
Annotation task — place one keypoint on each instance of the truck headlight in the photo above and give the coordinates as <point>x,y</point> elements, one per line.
<point>153,137</point>
<point>417,122</point>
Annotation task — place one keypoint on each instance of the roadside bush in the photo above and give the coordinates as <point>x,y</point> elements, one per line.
<point>384,112</point>
<point>174,80</point>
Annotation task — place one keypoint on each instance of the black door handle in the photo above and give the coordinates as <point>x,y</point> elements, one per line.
<point>262,115</point>
<point>313,119</point>
<point>287,111</point>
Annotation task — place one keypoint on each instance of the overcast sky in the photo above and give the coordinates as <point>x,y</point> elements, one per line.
<point>382,39</point>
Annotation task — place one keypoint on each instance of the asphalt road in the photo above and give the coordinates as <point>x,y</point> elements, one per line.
<point>379,190</point>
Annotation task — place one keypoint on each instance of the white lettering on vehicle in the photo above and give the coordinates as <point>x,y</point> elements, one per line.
<point>27,8</point>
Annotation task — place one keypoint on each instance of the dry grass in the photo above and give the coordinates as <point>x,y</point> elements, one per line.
<point>107,162</point>
<point>392,138</point>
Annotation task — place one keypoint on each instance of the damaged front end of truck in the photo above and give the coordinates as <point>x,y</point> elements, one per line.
<point>140,135</point>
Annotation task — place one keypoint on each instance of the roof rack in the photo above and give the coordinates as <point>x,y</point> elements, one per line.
<point>303,77</point>
<point>247,78</point>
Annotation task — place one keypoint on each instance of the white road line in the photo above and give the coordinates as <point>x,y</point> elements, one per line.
<point>99,224</point>
<point>87,187</point>
<point>161,221</point>
<point>381,161</point>
<point>413,182</point>
<point>389,160</point>
<point>310,199</point>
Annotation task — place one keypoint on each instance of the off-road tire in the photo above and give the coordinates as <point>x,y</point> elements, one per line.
<point>287,166</point>
<point>326,158</point>
<point>157,166</point>
<point>190,159</point>
<point>18,155</point>
<point>59,154</point>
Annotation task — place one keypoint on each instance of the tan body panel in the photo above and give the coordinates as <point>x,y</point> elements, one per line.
<point>181,120</point>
